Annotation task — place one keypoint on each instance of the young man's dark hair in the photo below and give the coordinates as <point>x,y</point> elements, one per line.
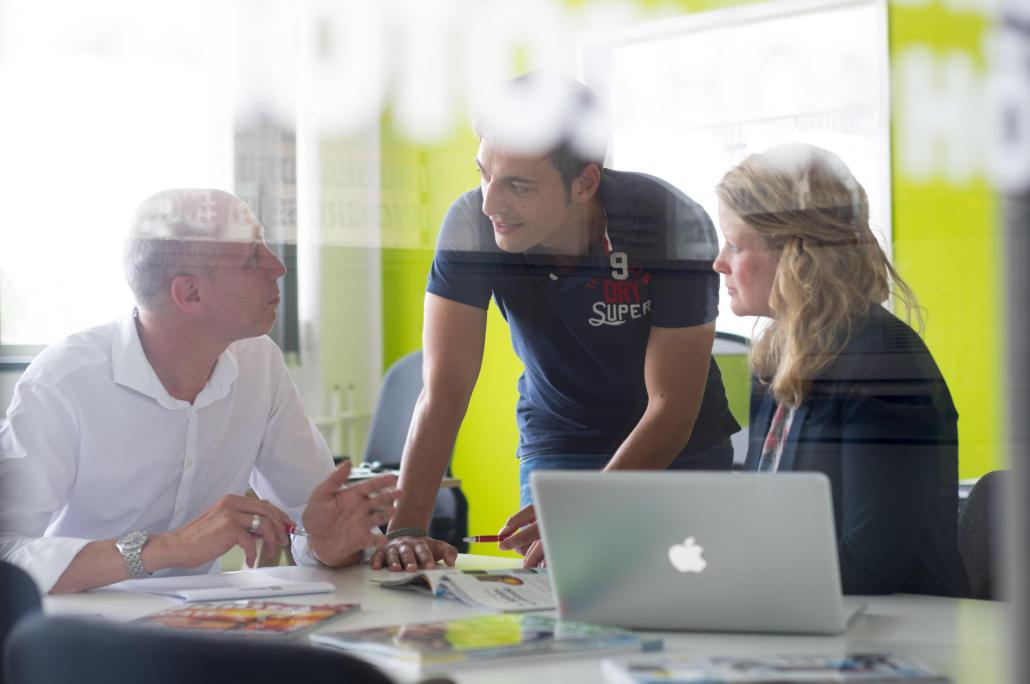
<point>568,156</point>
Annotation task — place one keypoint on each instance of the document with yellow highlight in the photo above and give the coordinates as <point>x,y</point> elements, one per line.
<point>443,644</point>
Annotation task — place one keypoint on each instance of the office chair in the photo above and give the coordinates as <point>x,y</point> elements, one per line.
<point>980,535</point>
<point>19,597</point>
<point>47,649</point>
<point>389,430</point>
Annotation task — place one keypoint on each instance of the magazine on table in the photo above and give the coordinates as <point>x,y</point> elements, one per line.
<point>507,590</point>
<point>248,618</point>
<point>225,586</point>
<point>854,668</point>
<point>432,645</point>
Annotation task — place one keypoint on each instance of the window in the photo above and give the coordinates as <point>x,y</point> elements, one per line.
<point>687,103</point>
<point>91,124</point>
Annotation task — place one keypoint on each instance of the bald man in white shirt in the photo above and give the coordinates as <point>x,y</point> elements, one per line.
<point>129,446</point>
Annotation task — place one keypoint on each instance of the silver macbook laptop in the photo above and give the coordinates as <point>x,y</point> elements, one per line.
<point>676,550</point>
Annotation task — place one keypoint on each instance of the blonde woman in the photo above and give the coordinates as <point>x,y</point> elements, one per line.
<point>840,384</point>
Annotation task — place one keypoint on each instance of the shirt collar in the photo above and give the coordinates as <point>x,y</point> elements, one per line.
<point>616,216</point>
<point>222,378</point>
<point>131,368</point>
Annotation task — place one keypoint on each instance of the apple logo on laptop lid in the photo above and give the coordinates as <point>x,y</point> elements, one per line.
<point>686,557</point>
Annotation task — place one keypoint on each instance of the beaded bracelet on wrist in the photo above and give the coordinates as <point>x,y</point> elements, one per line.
<point>406,532</point>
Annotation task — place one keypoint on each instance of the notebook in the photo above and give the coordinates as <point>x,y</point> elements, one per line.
<point>743,552</point>
<point>226,586</point>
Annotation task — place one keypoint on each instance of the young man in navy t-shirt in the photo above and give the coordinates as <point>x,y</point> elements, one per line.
<point>605,280</point>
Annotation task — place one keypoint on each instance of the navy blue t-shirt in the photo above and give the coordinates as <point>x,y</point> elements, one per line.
<point>581,331</point>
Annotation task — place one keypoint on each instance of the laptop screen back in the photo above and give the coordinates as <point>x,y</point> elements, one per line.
<point>691,550</point>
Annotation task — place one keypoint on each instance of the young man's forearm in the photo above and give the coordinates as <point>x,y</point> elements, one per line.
<point>675,374</point>
<point>658,438</point>
<point>427,453</point>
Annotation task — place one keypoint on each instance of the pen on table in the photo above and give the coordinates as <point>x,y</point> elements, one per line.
<point>290,529</point>
<point>484,538</point>
<point>257,555</point>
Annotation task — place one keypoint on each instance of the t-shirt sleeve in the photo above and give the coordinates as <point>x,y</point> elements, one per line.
<point>686,289</point>
<point>462,265</point>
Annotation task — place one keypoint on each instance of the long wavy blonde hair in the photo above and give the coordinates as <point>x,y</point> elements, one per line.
<point>803,202</point>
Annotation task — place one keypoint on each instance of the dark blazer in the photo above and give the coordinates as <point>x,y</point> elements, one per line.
<point>880,423</point>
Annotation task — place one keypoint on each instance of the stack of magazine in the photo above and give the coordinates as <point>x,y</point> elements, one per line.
<point>508,590</point>
<point>483,638</point>
<point>854,668</point>
<point>248,618</point>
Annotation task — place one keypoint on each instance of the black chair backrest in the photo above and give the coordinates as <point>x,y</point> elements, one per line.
<point>981,535</point>
<point>19,597</point>
<point>47,649</point>
<point>389,429</point>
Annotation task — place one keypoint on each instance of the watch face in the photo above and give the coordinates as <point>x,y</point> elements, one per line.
<point>133,540</point>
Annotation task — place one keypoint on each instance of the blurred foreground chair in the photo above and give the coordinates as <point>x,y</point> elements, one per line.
<point>19,598</point>
<point>51,649</point>
<point>981,535</point>
<point>389,430</point>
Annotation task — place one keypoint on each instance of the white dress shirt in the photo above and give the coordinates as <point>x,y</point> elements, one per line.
<point>95,447</point>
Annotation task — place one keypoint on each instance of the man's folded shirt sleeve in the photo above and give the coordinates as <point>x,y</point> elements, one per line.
<point>37,466</point>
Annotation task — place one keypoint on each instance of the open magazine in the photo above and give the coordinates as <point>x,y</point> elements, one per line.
<point>855,668</point>
<point>248,618</point>
<point>507,590</point>
<point>432,645</point>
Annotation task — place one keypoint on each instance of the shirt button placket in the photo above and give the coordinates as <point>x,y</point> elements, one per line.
<point>188,470</point>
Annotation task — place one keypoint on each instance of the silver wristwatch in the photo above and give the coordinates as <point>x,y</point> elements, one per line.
<point>130,546</point>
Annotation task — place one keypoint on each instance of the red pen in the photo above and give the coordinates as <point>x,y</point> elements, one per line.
<point>484,538</point>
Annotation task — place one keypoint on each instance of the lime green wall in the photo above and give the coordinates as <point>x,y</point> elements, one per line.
<point>945,245</point>
<point>736,378</point>
<point>418,185</point>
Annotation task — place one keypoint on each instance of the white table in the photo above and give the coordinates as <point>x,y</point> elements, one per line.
<point>961,638</point>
